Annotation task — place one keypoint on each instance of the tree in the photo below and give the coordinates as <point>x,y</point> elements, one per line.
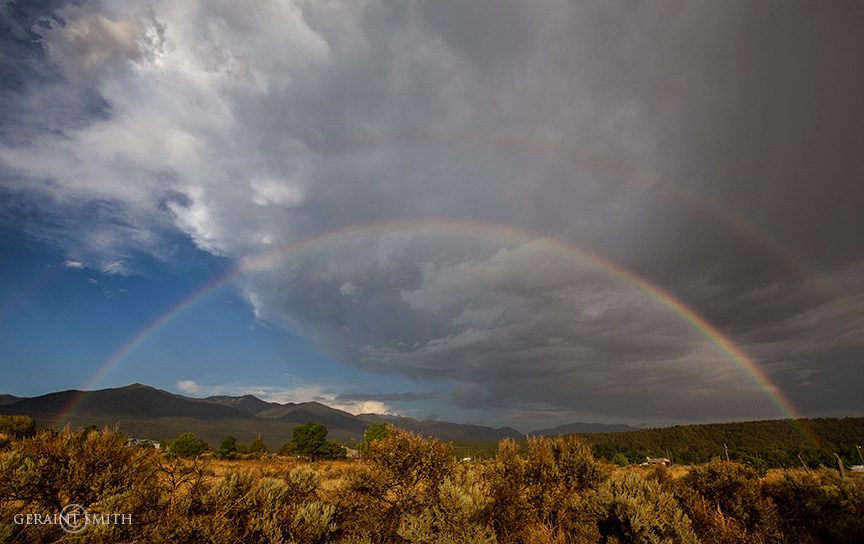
<point>16,427</point>
<point>188,445</point>
<point>229,448</point>
<point>375,431</point>
<point>258,447</point>
<point>310,441</point>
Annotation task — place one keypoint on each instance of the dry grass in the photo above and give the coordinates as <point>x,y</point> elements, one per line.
<point>411,490</point>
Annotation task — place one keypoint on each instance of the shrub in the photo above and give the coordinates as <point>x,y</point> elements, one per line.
<point>15,427</point>
<point>401,479</point>
<point>257,447</point>
<point>98,470</point>
<point>229,448</point>
<point>188,445</point>
<point>819,506</point>
<point>557,471</point>
<point>538,494</point>
<point>630,508</point>
<point>455,518</point>
<point>508,511</point>
<point>620,459</point>
<point>375,431</point>
<point>725,502</point>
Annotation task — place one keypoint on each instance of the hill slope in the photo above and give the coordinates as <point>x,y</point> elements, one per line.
<point>247,403</point>
<point>9,399</point>
<point>133,401</point>
<point>444,430</point>
<point>583,428</point>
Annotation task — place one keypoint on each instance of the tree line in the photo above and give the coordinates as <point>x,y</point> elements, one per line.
<point>760,444</point>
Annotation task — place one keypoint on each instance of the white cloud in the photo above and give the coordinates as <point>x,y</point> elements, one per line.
<point>82,41</point>
<point>73,264</point>
<point>115,267</point>
<point>350,289</point>
<point>271,191</point>
<point>364,407</point>
<point>189,386</point>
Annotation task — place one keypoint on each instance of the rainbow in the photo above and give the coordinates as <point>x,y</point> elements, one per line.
<point>460,228</point>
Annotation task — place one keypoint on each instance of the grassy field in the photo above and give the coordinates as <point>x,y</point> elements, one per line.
<point>411,490</point>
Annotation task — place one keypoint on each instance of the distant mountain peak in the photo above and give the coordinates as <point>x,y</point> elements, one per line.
<point>135,386</point>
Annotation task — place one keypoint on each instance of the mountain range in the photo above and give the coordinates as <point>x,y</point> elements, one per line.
<point>146,412</point>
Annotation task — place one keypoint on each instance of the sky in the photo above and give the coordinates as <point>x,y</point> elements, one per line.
<point>496,212</point>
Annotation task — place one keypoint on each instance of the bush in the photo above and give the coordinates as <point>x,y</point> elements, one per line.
<point>819,506</point>
<point>630,508</point>
<point>97,470</point>
<point>188,445</point>
<point>15,427</point>
<point>538,494</point>
<point>508,510</point>
<point>557,472</point>
<point>455,518</point>
<point>401,479</point>
<point>725,502</point>
<point>229,448</point>
<point>257,447</point>
<point>375,431</point>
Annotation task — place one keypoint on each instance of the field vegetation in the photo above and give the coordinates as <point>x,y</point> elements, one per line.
<point>407,489</point>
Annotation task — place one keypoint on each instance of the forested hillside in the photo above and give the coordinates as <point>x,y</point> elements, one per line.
<point>773,443</point>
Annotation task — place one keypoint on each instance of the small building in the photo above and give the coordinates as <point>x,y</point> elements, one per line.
<point>143,443</point>
<point>351,453</point>
<point>662,461</point>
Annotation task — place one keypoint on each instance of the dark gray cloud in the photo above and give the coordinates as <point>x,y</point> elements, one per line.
<point>386,397</point>
<point>712,148</point>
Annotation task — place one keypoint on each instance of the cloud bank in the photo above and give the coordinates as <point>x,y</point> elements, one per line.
<point>711,148</point>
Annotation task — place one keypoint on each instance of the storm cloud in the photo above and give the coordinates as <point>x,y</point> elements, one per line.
<point>713,149</point>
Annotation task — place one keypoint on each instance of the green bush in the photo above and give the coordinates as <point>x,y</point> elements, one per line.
<point>373,432</point>
<point>187,445</point>
<point>229,448</point>
<point>14,427</point>
<point>258,447</point>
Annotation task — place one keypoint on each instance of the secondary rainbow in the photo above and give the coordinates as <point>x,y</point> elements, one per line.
<point>495,232</point>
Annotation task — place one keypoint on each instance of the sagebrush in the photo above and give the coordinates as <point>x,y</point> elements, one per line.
<point>408,489</point>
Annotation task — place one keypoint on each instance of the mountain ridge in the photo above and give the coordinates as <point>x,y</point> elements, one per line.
<point>9,399</point>
<point>145,410</point>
